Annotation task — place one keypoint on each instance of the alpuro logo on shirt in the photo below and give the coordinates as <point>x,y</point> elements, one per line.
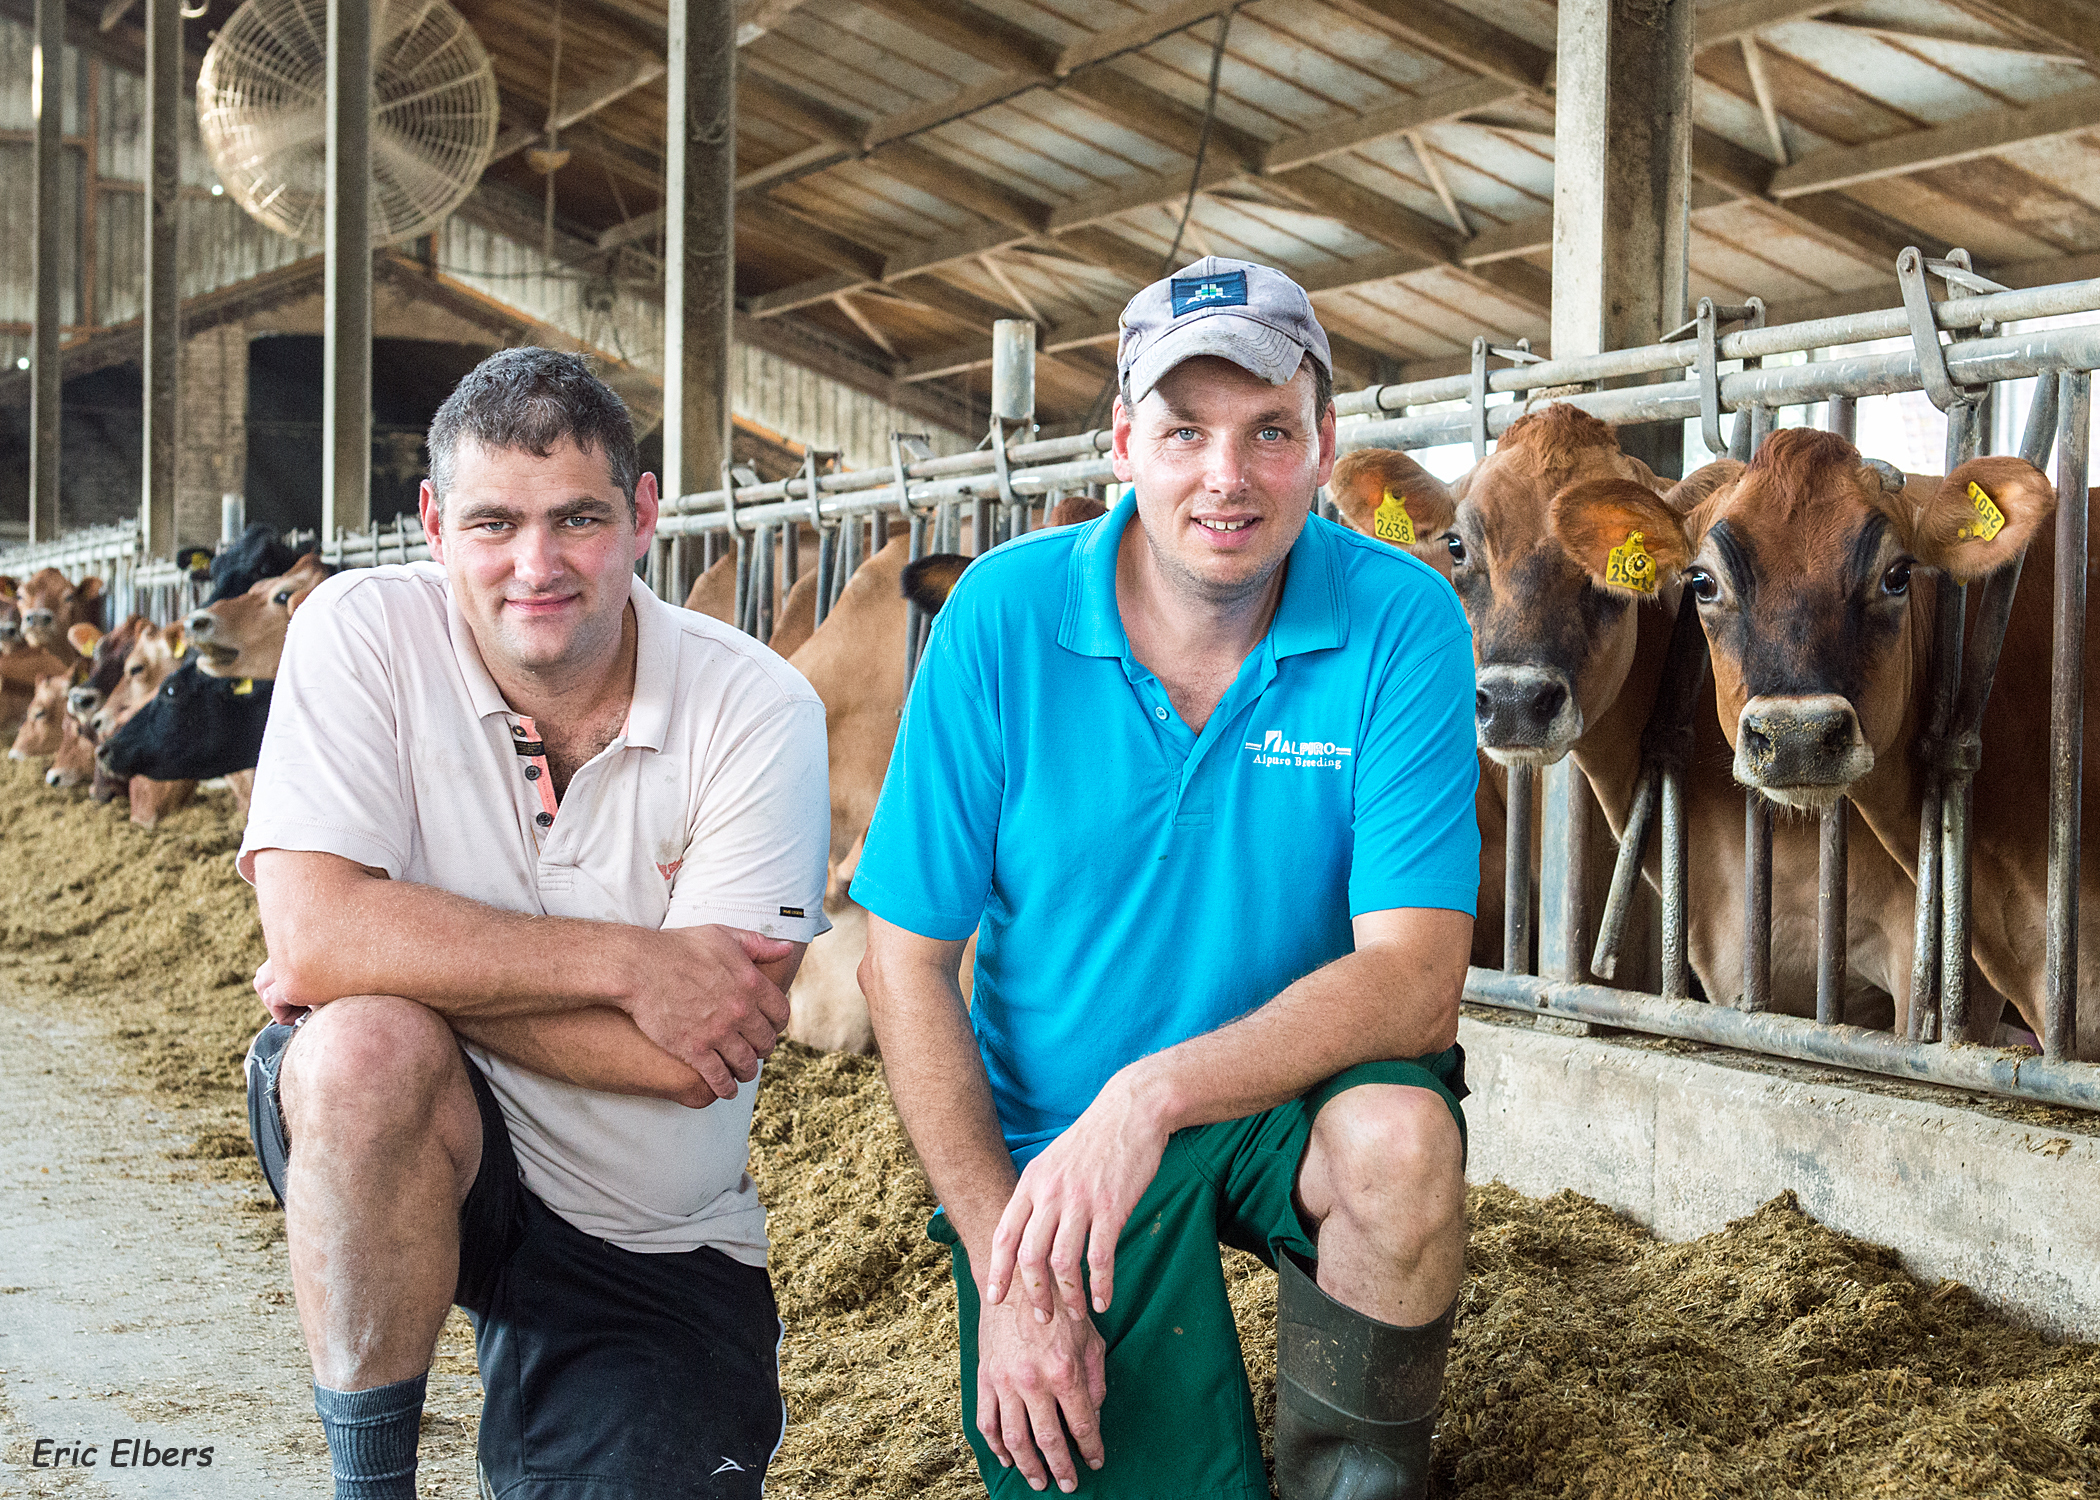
<point>1274,750</point>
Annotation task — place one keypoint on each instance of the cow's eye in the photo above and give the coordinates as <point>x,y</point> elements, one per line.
<point>281,596</point>
<point>1457,547</point>
<point>1704,586</point>
<point>1896,581</point>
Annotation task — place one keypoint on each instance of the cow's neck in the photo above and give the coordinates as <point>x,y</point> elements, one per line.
<point>1609,752</point>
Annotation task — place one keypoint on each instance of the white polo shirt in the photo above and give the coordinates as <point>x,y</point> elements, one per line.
<point>390,744</point>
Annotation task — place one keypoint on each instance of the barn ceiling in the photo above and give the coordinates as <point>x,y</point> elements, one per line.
<point>912,170</point>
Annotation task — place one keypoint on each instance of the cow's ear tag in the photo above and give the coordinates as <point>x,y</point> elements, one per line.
<point>1392,523</point>
<point>244,687</point>
<point>1989,519</point>
<point>1630,566</point>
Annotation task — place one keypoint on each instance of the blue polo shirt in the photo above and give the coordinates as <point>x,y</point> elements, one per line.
<point>1132,883</point>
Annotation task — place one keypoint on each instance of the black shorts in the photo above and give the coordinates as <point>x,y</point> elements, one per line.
<point>607,1374</point>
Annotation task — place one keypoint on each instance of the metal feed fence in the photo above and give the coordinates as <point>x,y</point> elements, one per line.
<point>1009,488</point>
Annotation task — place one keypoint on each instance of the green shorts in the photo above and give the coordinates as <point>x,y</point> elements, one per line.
<point>1179,1419</point>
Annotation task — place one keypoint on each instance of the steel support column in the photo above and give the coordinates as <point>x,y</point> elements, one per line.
<point>1621,226</point>
<point>346,372</point>
<point>52,221</point>
<point>699,240</point>
<point>163,318</point>
<point>1622,154</point>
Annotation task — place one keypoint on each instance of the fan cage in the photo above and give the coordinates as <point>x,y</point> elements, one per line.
<point>263,112</point>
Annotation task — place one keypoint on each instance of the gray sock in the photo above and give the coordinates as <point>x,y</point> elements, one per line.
<point>372,1439</point>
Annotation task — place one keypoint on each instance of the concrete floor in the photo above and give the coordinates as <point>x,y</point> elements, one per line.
<point>139,1300</point>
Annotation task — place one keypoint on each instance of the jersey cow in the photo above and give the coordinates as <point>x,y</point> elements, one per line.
<point>1816,576</point>
<point>1570,650</point>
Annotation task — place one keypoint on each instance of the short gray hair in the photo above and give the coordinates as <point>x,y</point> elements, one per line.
<point>531,400</point>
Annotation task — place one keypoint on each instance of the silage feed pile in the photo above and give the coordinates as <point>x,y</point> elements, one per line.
<point>1776,1358</point>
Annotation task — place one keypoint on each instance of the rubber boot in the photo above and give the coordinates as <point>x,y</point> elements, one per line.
<point>1356,1399</point>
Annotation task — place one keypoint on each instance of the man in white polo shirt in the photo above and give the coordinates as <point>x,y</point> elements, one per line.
<point>537,855</point>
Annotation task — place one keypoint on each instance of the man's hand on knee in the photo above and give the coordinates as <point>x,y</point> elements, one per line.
<point>1072,1202</point>
<point>1035,1382</point>
<point>702,997</point>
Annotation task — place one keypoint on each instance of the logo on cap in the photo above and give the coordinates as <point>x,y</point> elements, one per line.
<point>1197,292</point>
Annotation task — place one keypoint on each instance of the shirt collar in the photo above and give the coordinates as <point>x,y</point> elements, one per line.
<point>655,648</point>
<point>1311,615</point>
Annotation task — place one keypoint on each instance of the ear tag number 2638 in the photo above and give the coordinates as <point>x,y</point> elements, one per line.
<point>1629,566</point>
<point>1392,522</point>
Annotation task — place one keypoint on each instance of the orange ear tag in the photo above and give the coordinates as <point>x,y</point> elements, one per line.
<point>1630,566</point>
<point>1989,519</point>
<point>1392,523</point>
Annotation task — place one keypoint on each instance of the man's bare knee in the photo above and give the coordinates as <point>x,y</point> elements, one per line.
<point>1388,1156</point>
<point>367,1072</point>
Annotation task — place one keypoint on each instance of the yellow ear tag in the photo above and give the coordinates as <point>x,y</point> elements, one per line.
<point>1392,523</point>
<point>1630,566</point>
<point>244,687</point>
<point>1989,519</point>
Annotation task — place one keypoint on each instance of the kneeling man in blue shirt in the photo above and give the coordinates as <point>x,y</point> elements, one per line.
<point>1199,775</point>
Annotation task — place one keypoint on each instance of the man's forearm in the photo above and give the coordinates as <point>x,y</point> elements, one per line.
<point>1391,1000</point>
<point>597,1048</point>
<point>943,1098</point>
<point>333,934</point>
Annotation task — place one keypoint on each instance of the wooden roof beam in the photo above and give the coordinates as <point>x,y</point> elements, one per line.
<point>1985,133</point>
<point>2074,24</point>
<point>582,100</point>
<point>1718,24</point>
<point>1459,38</point>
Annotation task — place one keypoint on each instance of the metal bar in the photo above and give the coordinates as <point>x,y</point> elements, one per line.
<point>163,309</point>
<point>1757,902</point>
<point>1676,961</point>
<point>790,557</point>
<point>914,616</point>
<point>2056,299</point>
<point>1970,686</point>
<point>346,368</point>
<point>1562,847</point>
<point>1832,914</point>
<point>740,608</point>
<point>2067,718</point>
<point>1843,418</point>
<point>827,565</point>
<point>1988,1070</point>
<point>1516,875</point>
<point>2040,435</point>
<point>768,543</point>
<point>1626,874</point>
<point>51,220</point>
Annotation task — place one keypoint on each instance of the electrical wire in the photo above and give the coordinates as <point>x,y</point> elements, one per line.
<point>1100,408</point>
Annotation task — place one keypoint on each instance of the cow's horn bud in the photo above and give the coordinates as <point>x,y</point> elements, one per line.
<point>1891,477</point>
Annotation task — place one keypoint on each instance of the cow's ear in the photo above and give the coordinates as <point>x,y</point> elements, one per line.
<point>928,582</point>
<point>1982,516</point>
<point>1623,533</point>
<point>1384,493</point>
<point>1693,491</point>
<point>89,591</point>
<point>82,637</point>
<point>8,586</point>
<point>172,635</point>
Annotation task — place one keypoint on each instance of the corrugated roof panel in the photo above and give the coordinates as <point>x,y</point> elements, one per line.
<point>1536,21</point>
<point>1831,108</point>
<point>1498,173</point>
<point>1954,218</point>
<point>1331,54</point>
<point>835,66</point>
<point>1389,169</point>
<point>1016,148</point>
<point>932,67</point>
<point>1896,77</point>
<point>1092,140</point>
<point>858,202</point>
<point>1770,238</point>
<point>1746,267</point>
<point>1735,117</point>
<point>1995,67</point>
<point>2018,190</point>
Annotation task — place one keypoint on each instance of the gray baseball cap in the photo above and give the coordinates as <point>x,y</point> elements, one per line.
<point>1255,316</point>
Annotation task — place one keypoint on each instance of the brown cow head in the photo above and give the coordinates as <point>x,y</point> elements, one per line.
<point>106,657</point>
<point>156,654</point>
<point>10,615</point>
<point>244,636</point>
<point>1802,576</point>
<point>1552,645</point>
<point>41,730</point>
<point>50,605</point>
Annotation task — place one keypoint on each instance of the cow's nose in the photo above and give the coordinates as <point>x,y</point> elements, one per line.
<point>82,702</point>
<point>200,625</point>
<point>1800,745</point>
<point>54,777</point>
<point>38,619</point>
<point>1525,712</point>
